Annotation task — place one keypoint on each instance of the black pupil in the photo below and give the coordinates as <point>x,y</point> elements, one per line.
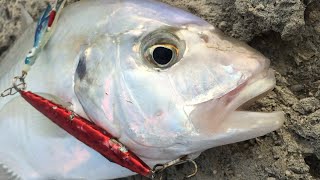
<point>162,55</point>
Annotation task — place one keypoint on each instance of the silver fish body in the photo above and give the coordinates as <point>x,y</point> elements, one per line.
<point>109,59</point>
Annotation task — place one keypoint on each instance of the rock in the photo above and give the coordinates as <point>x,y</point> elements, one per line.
<point>297,87</point>
<point>271,178</point>
<point>310,104</point>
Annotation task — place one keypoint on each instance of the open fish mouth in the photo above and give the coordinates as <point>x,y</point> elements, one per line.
<point>240,119</point>
<point>226,115</point>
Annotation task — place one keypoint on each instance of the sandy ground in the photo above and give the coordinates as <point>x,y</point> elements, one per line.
<point>287,32</point>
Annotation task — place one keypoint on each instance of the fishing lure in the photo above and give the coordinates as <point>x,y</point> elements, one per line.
<point>94,136</point>
<point>87,132</point>
<point>43,32</point>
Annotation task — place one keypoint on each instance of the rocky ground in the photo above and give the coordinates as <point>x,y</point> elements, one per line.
<point>287,32</point>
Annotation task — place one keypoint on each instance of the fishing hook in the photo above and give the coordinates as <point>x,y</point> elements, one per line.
<point>18,84</point>
<point>42,36</point>
<point>159,168</point>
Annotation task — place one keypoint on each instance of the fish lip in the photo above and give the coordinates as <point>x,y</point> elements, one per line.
<point>258,123</point>
<point>267,77</point>
<point>265,81</point>
<point>208,116</point>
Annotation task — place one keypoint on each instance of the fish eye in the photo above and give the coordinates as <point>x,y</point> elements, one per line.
<point>162,49</point>
<point>162,55</point>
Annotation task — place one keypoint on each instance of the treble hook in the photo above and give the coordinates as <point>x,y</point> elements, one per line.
<point>159,168</point>
<point>18,84</point>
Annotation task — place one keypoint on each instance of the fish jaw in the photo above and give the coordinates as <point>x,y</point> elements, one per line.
<point>219,121</point>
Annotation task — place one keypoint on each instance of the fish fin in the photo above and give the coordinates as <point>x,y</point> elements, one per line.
<point>15,56</point>
<point>19,119</point>
<point>7,173</point>
<point>35,148</point>
<point>27,19</point>
<point>18,110</point>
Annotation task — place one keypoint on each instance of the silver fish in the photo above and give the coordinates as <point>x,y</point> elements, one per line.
<point>163,81</point>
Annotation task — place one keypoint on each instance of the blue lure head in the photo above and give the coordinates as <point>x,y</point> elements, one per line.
<point>42,34</point>
<point>42,26</point>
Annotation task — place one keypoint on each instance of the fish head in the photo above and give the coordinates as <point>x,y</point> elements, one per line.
<point>166,83</point>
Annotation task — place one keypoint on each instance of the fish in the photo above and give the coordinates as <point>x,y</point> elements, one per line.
<point>161,80</point>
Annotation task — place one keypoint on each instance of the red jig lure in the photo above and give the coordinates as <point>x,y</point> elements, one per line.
<point>88,133</point>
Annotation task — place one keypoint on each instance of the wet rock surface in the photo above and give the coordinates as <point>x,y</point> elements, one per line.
<point>287,32</point>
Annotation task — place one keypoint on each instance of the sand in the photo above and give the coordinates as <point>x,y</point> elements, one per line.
<point>287,32</point>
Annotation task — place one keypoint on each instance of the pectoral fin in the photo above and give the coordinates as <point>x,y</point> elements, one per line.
<point>18,113</point>
<point>19,122</point>
<point>32,147</point>
<point>27,19</point>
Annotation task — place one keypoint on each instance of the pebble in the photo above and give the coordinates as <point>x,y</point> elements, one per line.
<point>297,87</point>
<point>288,173</point>
<point>271,178</point>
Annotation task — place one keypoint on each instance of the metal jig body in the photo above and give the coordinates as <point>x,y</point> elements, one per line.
<point>88,133</point>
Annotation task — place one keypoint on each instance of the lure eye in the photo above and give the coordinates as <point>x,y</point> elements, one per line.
<point>163,55</point>
<point>31,52</point>
<point>162,48</point>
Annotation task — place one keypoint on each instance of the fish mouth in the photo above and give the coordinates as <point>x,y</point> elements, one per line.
<point>226,115</point>
<point>259,122</point>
